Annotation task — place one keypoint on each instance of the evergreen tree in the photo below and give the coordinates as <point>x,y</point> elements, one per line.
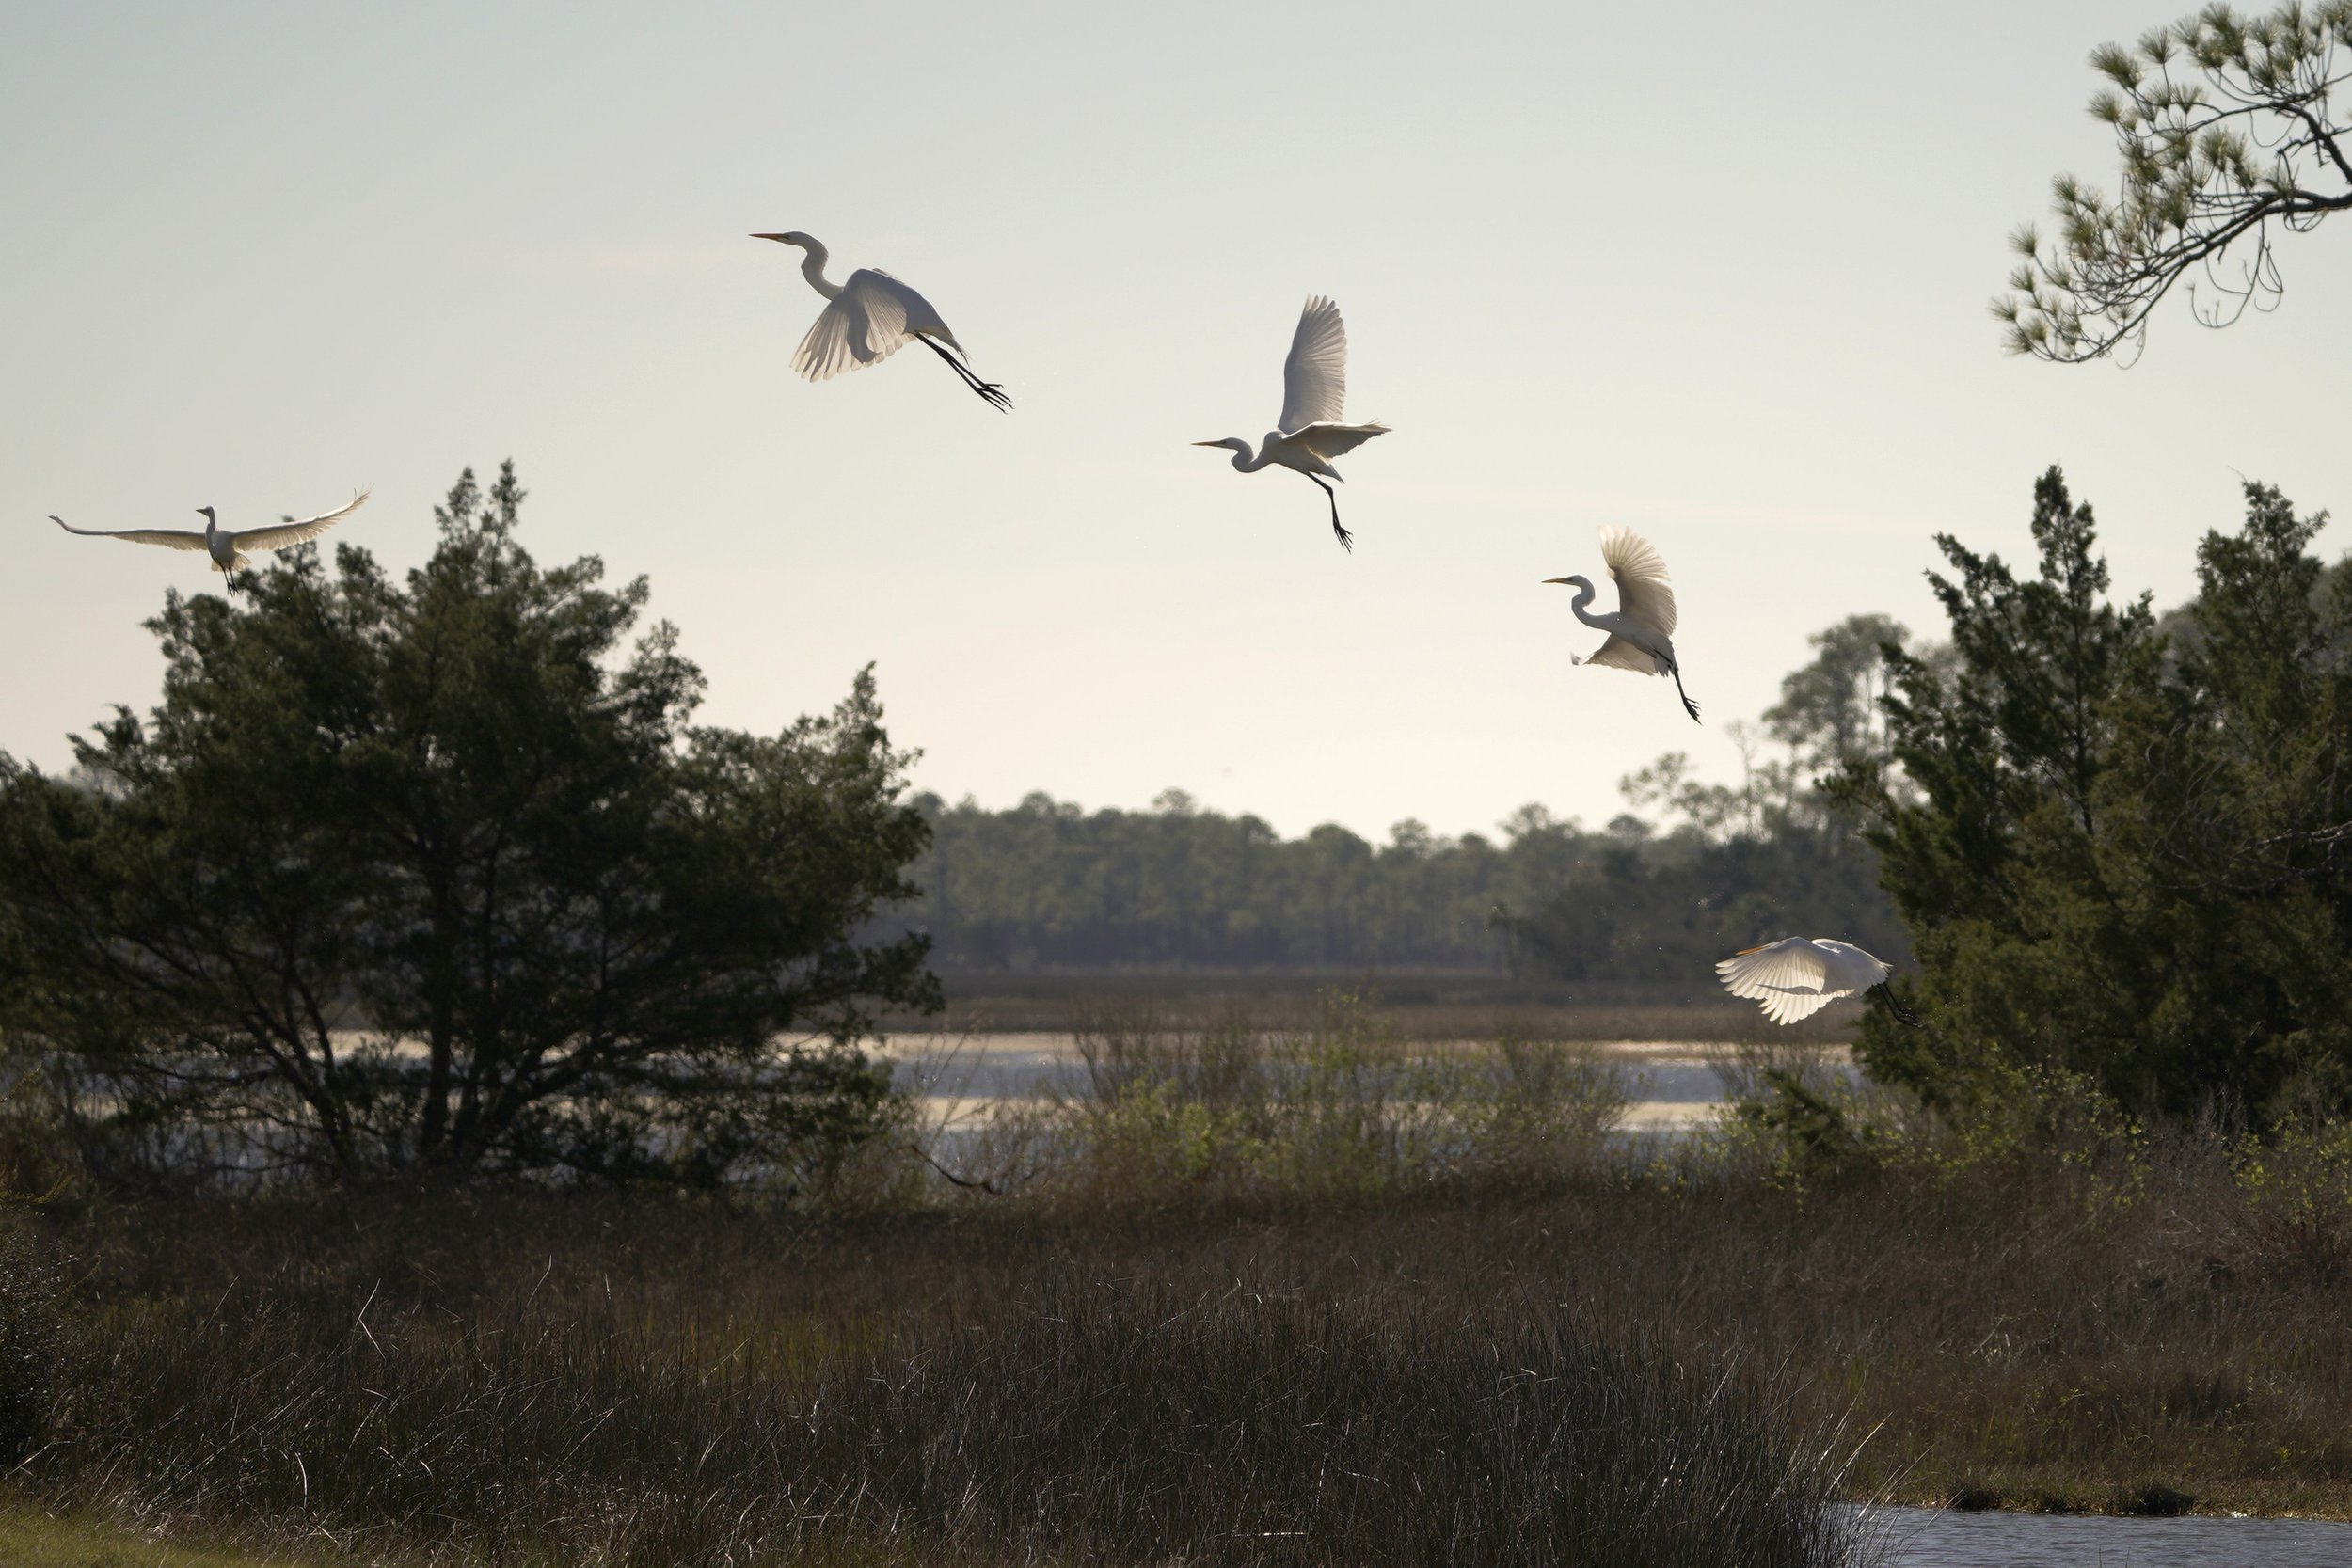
<point>440,876</point>
<point>2121,852</point>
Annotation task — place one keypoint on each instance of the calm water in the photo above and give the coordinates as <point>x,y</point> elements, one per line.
<point>1669,1084</point>
<point>1923,1537</point>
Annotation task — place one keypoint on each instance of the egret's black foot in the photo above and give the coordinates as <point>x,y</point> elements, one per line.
<point>1347,540</point>
<point>1903,1014</point>
<point>992,395</point>
<point>1692,708</point>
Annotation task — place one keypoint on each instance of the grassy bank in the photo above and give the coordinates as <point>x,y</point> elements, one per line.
<point>1248,1296</point>
<point>652,1382</point>
<point>30,1538</point>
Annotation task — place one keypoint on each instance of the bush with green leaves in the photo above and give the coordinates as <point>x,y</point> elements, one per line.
<point>440,876</point>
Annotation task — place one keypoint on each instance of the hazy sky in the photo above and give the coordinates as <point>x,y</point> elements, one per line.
<point>1718,272</point>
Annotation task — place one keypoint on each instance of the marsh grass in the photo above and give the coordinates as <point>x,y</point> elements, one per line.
<point>1025,1406</point>
<point>1287,1291</point>
<point>1334,1101</point>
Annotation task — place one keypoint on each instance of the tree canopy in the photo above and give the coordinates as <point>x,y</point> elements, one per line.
<point>440,875</point>
<point>2124,849</point>
<point>2226,134</point>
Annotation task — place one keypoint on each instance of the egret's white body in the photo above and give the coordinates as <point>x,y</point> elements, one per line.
<point>1797,977</point>
<point>1641,629</point>
<point>1315,388</point>
<point>226,547</point>
<point>869,317</point>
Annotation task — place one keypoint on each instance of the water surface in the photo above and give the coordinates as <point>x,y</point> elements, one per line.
<point>1928,1538</point>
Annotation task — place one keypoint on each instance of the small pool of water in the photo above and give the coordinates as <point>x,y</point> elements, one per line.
<point>1927,1538</point>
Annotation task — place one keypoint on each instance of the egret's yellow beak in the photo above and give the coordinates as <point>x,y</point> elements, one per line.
<point>766,236</point>
<point>1555,579</point>
<point>1208,443</point>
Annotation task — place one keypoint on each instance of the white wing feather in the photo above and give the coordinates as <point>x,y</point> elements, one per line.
<point>279,535</point>
<point>1791,979</point>
<point>1315,377</point>
<point>1620,655</point>
<point>1642,591</point>
<point>171,538</point>
<point>871,320</point>
<point>1327,441</point>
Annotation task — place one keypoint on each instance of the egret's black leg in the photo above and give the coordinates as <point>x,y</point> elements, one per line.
<point>1688,706</point>
<point>1903,1014</point>
<point>990,392</point>
<point>1347,540</point>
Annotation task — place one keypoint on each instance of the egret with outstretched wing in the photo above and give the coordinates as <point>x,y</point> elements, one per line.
<point>868,319</point>
<point>1797,977</point>
<point>1641,629</point>
<point>226,549</point>
<point>1315,386</point>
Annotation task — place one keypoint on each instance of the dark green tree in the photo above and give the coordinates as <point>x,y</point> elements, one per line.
<point>2120,853</point>
<point>2226,133</point>
<point>440,876</point>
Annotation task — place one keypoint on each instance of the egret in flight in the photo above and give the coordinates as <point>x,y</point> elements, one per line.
<point>1797,977</point>
<point>226,548</point>
<point>1314,385</point>
<point>868,319</point>
<point>1641,629</point>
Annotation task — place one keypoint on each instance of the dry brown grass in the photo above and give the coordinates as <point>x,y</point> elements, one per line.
<point>1249,1268</point>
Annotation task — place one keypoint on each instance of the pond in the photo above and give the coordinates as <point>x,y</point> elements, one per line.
<point>1929,1538</point>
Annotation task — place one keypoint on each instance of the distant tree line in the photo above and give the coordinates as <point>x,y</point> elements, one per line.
<point>1691,872</point>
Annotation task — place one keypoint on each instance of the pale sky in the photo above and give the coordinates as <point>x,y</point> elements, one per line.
<point>1718,272</point>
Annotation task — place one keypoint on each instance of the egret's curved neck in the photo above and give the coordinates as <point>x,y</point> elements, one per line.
<point>1584,598</point>
<point>1245,461</point>
<point>813,268</point>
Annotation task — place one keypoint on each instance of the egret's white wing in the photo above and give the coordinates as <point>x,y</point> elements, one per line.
<point>1315,377</point>
<point>171,538</point>
<point>1790,977</point>
<point>1642,591</point>
<point>914,313</point>
<point>824,352</point>
<point>1620,655</point>
<point>863,324</point>
<point>1327,441</point>
<point>279,535</point>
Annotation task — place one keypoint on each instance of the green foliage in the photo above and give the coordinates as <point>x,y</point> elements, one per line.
<point>2224,127</point>
<point>439,875</point>
<point>2122,853</point>
<point>2297,1190</point>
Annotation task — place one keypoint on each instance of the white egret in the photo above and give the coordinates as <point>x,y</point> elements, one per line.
<point>226,548</point>
<point>1314,385</point>
<point>1797,977</point>
<point>868,319</point>
<point>1641,629</point>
